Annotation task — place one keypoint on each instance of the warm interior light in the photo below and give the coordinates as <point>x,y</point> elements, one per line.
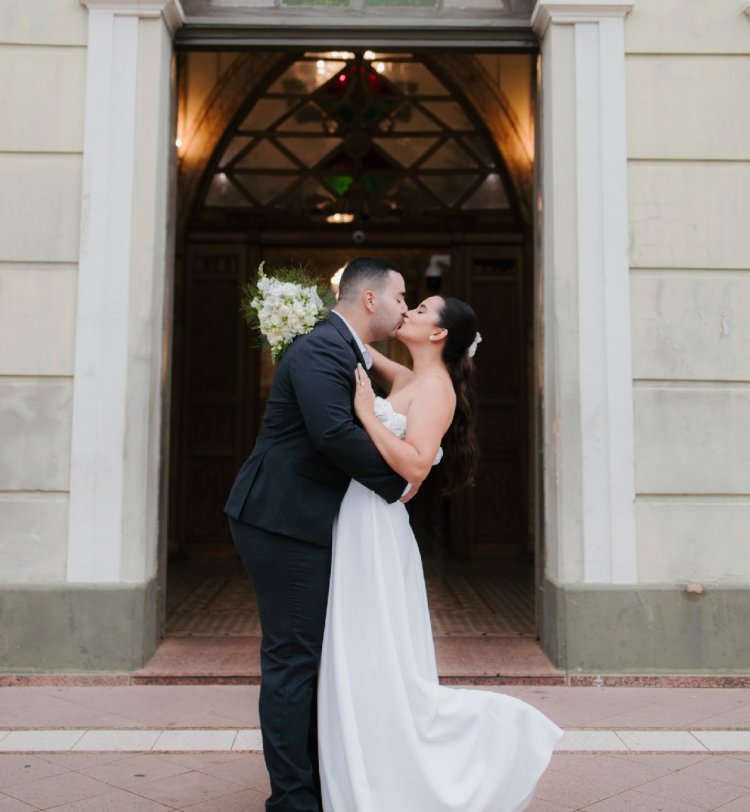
<point>335,279</point>
<point>340,217</point>
<point>380,67</point>
<point>337,55</point>
<point>369,55</point>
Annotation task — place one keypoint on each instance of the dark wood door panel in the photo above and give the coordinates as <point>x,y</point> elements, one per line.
<point>490,519</point>
<point>217,398</point>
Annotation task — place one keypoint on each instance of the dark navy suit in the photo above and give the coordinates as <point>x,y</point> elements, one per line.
<point>281,508</point>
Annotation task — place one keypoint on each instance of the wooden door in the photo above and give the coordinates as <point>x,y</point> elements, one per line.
<point>216,395</point>
<point>490,520</point>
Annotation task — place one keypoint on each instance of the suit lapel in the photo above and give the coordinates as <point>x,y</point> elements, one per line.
<point>346,334</point>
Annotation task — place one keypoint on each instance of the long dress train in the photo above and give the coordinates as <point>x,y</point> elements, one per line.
<point>391,739</point>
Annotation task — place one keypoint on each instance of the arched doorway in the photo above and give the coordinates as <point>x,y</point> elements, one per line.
<point>329,155</point>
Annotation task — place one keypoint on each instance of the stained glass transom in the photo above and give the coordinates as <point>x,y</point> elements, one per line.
<point>375,136</point>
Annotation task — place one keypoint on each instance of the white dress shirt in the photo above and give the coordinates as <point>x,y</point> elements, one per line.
<point>365,355</point>
<point>368,363</point>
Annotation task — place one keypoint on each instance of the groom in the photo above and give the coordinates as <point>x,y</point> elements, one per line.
<point>282,506</point>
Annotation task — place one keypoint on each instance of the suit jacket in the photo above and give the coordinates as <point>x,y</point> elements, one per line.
<point>310,445</point>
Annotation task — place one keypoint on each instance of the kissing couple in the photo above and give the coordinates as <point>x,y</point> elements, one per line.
<point>352,714</point>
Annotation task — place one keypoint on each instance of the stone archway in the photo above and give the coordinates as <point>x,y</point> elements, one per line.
<point>203,132</point>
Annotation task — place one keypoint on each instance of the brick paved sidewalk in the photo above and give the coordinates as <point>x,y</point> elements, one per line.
<point>668,750</point>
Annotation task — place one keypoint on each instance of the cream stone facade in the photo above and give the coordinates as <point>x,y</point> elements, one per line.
<point>642,166</point>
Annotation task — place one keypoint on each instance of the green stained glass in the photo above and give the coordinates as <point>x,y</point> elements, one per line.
<point>377,132</point>
<point>339,184</point>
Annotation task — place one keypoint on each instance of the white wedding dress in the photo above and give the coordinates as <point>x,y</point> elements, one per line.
<point>391,739</point>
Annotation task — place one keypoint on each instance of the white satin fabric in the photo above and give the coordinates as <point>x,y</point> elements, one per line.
<point>391,738</point>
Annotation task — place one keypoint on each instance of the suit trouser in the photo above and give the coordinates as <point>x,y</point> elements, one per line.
<point>291,580</point>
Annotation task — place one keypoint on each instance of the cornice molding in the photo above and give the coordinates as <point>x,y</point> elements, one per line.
<point>584,11</point>
<point>170,10</point>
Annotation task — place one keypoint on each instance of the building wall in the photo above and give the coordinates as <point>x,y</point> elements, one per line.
<point>687,71</point>
<point>681,604</point>
<point>83,219</point>
<point>688,108</point>
<point>42,87</point>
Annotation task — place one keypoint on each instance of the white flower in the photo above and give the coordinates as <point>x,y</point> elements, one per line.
<point>473,346</point>
<point>285,310</point>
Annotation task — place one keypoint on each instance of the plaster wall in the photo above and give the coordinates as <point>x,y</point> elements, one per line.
<point>42,84</point>
<point>688,108</point>
<point>86,151</point>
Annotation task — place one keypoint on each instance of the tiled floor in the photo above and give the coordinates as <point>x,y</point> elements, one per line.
<point>689,749</point>
<point>212,597</point>
<point>236,782</point>
<point>235,706</point>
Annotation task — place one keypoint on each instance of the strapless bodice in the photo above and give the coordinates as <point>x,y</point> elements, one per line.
<point>395,422</point>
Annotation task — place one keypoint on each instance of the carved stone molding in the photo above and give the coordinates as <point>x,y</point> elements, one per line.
<point>170,10</point>
<point>563,11</point>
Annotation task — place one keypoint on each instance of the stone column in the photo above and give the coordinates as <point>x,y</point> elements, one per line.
<point>124,257</point>
<point>589,476</point>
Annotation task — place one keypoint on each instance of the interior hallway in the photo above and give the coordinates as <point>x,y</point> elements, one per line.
<point>494,597</point>
<point>482,616</point>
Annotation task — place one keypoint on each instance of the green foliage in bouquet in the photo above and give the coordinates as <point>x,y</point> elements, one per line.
<point>286,303</point>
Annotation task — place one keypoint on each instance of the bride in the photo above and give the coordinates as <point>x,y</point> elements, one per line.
<point>391,739</point>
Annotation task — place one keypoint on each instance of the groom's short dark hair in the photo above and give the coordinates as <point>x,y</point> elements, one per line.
<point>362,273</point>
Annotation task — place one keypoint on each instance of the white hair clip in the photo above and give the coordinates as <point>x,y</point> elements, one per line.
<point>473,346</point>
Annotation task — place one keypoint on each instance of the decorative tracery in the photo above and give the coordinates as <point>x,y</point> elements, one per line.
<point>365,137</point>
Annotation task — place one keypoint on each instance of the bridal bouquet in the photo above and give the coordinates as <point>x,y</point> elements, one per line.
<point>284,305</point>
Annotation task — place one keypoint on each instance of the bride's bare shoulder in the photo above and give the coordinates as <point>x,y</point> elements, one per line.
<point>437,386</point>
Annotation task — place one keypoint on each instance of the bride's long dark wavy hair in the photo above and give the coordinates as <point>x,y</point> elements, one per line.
<point>460,441</point>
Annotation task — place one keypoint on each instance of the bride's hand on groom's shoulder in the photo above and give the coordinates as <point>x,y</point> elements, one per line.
<point>364,395</point>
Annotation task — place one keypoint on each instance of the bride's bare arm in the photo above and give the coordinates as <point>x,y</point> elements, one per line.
<point>429,416</point>
<point>389,374</point>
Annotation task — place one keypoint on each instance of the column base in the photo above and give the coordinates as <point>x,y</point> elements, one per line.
<point>77,628</point>
<point>647,629</point>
